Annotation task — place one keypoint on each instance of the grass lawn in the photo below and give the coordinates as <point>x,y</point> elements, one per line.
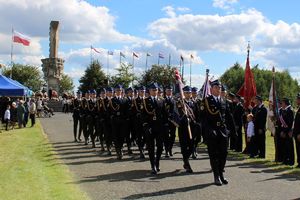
<point>270,157</point>
<point>28,169</point>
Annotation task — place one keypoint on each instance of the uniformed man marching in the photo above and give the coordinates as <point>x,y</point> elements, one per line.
<point>100,125</point>
<point>108,136</point>
<point>76,115</point>
<point>153,116</point>
<point>138,110</point>
<point>118,115</point>
<point>130,135</point>
<point>186,114</point>
<point>169,126</point>
<point>217,133</point>
<point>91,117</point>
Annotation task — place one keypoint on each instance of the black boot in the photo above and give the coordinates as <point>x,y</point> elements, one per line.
<point>170,153</point>
<point>157,165</point>
<point>153,167</point>
<point>129,151</point>
<point>223,180</point>
<point>187,166</point>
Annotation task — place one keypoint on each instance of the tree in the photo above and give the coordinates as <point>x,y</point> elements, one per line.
<point>162,74</point>
<point>124,75</point>
<point>286,86</point>
<point>66,84</point>
<point>93,77</point>
<point>28,75</point>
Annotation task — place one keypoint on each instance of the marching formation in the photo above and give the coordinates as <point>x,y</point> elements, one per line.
<point>149,117</point>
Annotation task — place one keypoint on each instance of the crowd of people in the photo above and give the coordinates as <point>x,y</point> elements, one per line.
<point>16,112</point>
<point>149,118</point>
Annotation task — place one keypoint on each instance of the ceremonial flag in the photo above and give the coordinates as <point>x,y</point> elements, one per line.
<point>206,86</point>
<point>181,58</point>
<point>20,38</point>
<point>160,55</point>
<point>248,89</point>
<point>96,50</point>
<point>135,55</point>
<point>148,54</point>
<point>110,53</point>
<point>122,55</point>
<point>273,106</point>
<point>180,86</point>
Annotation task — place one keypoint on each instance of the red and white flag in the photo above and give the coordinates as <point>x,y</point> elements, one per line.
<point>20,38</point>
<point>96,50</point>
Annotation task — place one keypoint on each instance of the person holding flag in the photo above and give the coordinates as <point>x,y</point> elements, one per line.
<point>216,113</point>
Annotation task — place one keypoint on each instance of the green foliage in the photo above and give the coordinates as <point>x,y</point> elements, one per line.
<point>124,75</point>
<point>27,75</point>
<point>93,77</point>
<point>286,86</point>
<point>66,84</point>
<point>162,74</point>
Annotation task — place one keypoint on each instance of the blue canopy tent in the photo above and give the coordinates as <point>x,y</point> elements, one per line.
<point>28,92</point>
<point>10,88</point>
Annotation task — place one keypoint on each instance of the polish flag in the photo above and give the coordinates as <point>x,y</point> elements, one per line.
<point>135,55</point>
<point>20,38</point>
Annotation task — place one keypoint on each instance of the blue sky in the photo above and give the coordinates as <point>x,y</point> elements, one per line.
<point>214,31</point>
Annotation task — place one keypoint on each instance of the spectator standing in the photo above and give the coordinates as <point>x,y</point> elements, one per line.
<point>20,113</point>
<point>7,117</point>
<point>13,114</point>
<point>32,111</point>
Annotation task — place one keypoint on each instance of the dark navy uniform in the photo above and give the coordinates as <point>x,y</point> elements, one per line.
<point>238,113</point>
<point>169,126</point>
<point>83,118</point>
<point>100,126</point>
<point>118,114</point>
<point>296,131</point>
<point>286,116</point>
<point>76,115</point>
<point>260,117</point>
<point>91,119</point>
<point>217,134</point>
<point>108,136</point>
<point>138,122</point>
<point>186,115</point>
<point>130,135</point>
<point>153,122</point>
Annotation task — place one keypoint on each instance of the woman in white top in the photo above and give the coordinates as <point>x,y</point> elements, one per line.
<point>7,117</point>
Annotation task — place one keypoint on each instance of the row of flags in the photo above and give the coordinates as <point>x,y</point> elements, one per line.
<point>160,54</point>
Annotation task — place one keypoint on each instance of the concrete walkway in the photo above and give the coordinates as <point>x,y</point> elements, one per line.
<point>105,177</point>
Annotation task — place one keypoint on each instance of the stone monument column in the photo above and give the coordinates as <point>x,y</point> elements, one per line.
<point>53,66</point>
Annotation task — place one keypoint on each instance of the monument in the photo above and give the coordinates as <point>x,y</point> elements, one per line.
<point>53,66</point>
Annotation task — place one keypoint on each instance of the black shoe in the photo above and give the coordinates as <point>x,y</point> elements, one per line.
<point>85,143</point>
<point>187,167</point>
<point>79,139</point>
<point>171,153</point>
<point>223,180</point>
<point>75,140</point>
<point>218,181</point>
<point>109,153</point>
<point>153,171</point>
<point>194,155</point>
<point>167,155</point>
<point>93,145</point>
<point>130,152</point>
<point>157,166</point>
<point>142,156</point>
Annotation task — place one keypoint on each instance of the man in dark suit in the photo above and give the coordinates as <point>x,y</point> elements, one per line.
<point>186,115</point>
<point>286,117</point>
<point>108,136</point>
<point>217,132</point>
<point>138,110</point>
<point>118,110</point>
<point>296,130</point>
<point>76,114</point>
<point>153,125</point>
<point>238,113</point>
<point>260,118</point>
<point>169,127</point>
<point>130,135</point>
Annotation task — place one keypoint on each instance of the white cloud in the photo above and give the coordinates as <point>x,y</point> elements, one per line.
<point>170,11</point>
<point>79,21</point>
<point>224,4</point>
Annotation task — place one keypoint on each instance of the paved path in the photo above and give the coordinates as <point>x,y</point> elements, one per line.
<point>105,177</point>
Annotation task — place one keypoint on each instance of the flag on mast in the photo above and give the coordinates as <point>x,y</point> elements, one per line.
<point>161,55</point>
<point>135,55</point>
<point>21,38</point>
<point>148,54</point>
<point>248,89</point>
<point>122,55</point>
<point>96,50</point>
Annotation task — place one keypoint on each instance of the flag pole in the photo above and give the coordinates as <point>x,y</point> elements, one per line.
<point>107,64</point>
<point>182,70</point>
<point>158,60</point>
<point>169,59</point>
<point>120,59</point>
<point>11,51</point>
<point>146,62</point>
<point>190,72</point>
<point>132,68</point>
<point>91,55</point>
